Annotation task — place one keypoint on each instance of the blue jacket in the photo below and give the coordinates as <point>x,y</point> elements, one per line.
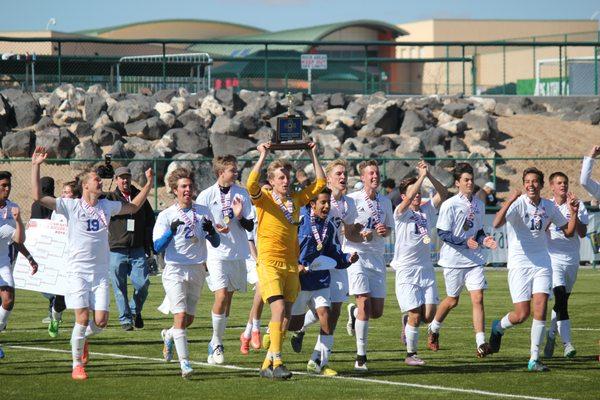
<point>315,280</point>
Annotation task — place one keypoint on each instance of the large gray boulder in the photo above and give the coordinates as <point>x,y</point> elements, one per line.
<point>201,116</point>
<point>413,122</point>
<point>387,116</point>
<point>130,110</point>
<point>230,99</point>
<point>203,172</point>
<point>224,125</point>
<point>185,141</point>
<point>118,151</point>
<point>223,145</point>
<point>106,135</point>
<point>150,129</point>
<point>19,144</point>
<point>457,110</point>
<point>165,95</point>
<point>27,110</point>
<point>94,105</point>
<point>338,100</point>
<point>432,137</point>
<point>481,124</point>
<point>59,142</point>
<point>86,150</point>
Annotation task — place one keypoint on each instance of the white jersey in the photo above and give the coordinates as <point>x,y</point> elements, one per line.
<point>343,210</point>
<point>188,246</point>
<point>58,217</point>
<point>7,232</point>
<point>365,216</point>
<point>6,213</point>
<point>410,250</point>
<point>88,233</point>
<point>234,244</point>
<point>564,250</point>
<point>526,227</point>
<point>586,180</point>
<point>463,218</point>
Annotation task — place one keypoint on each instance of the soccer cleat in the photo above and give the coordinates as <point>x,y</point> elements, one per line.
<point>570,350</point>
<point>483,350</point>
<point>53,328</point>
<point>536,366</point>
<point>296,341</point>
<point>495,336</point>
<point>433,340</point>
<point>79,373</point>
<point>244,344</point>
<point>127,327</point>
<point>138,321</point>
<point>281,372</point>
<point>351,319</point>
<point>313,367</point>
<point>413,361</point>
<point>186,370</point>
<point>167,346</point>
<point>360,365</point>
<point>85,355</point>
<point>326,371</point>
<point>255,340</point>
<point>404,322</point>
<point>1,353</point>
<point>266,373</point>
<point>266,341</point>
<point>549,346</point>
<point>215,355</point>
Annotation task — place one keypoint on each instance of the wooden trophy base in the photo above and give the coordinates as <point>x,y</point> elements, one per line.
<point>290,146</point>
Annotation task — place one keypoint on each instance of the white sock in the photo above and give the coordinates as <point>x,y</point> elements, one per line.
<point>412,338</point>
<point>564,330</point>
<point>169,333</point>
<point>77,342</point>
<point>92,329</point>
<point>326,344</point>
<point>362,331</point>
<point>553,325</point>
<point>355,313</point>
<point>181,344</point>
<point>4,314</point>
<point>248,330</point>
<point>219,322</point>
<point>435,326</point>
<point>505,324</point>
<point>480,338</point>
<point>309,319</point>
<point>538,328</point>
<point>56,316</point>
<point>255,324</point>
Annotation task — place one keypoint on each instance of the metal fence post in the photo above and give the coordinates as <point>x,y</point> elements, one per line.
<point>155,179</point>
<point>503,69</point>
<point>463,68</point>
<point>164,66</point>
<point>266,78</point>
<point>366,78</point>
<point>494,170</point>
<point>59,62</point>
<point>474,71</point>
<point>596,69</point>
<point>534,59</point>
<point>447,70</point>
<point>560,71</point>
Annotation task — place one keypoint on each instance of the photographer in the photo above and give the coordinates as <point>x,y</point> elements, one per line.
<point>130,240</point>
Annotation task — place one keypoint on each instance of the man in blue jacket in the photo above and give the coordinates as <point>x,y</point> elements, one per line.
<point>320,251</point>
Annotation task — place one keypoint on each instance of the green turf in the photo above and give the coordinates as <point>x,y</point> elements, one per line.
<point>30,374</point>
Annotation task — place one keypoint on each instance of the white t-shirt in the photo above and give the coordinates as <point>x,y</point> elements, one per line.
<point>182,250</point>
<point>564,250</point>
<point>234,245</point>
<point>88,233</point>
<point>526,233</point>
<point>411,227</point>
<point>344,211</point>
<point>453,217</point>
<point>7,232</point>
<point>365,217</point>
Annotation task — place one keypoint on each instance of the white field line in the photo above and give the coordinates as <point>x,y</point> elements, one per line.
<point>343,378</point>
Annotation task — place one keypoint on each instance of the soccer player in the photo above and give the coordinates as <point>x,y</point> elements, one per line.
<point>416,287</point>
<point>88,275</point>
<point>564,255</point>
<point>181,231</point>
<point>277,237</point>
<point>320,252</point>
<point>367,276</point>
<point>342,213</point>
<point>460,227</point>
<point>527,217</point>
<point>232,212</point>
<point>585,179</point>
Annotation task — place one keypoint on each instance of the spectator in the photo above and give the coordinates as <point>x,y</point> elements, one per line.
<point>487,194</point>
<point>392,192</point>
<point>130,241</point>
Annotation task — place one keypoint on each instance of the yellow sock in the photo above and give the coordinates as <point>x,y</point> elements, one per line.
<point>268,360</point>
<point>276,341</point>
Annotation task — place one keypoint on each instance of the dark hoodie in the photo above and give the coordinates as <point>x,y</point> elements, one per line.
<point>38,210</point>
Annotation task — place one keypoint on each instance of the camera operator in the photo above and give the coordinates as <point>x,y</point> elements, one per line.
<point>130,240</point>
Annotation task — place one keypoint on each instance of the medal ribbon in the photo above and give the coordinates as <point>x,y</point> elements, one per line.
<point>471,214</point>
<point>343,210</point>
<point>92,210</point>
<point>375,209</point>
<point>287,211</point>
<point>226,209</point>
<point>421,222</point>
<point>537,213</point>
<point>313,227</point>
<point>191,224</point>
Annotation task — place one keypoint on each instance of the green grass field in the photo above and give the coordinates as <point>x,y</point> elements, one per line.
<point>128,364</point>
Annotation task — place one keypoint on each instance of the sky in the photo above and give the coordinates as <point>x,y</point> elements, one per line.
<point>273,15</point>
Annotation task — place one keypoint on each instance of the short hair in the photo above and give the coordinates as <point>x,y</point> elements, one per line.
<point>325,190</point>
<point>85,175</point>
<point>5,175</point>
<point>221,162</point>
<point>332,164</point>
<point>534,170</point>
<point>405,183</point>
<point>75,189</point>
<point>556,175</point>
<point>462,168</point>
<point>366,163</point>
<point>388,183</point>
<point>277,164</point>
<point>177,174</point>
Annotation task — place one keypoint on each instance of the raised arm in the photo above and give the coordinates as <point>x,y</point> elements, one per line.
<point>38,157</point>
<point>441,193</point>
<point>585,179</point>
<point>500,218</point>
<point>319,173</point>
<point>252,185</point>
<point>19,239</point>
<point>413,190</point>
<point>138,201</point>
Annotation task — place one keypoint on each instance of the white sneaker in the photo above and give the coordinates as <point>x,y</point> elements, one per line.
<point>360,367</point>
<point>570,350</point>
<point>186,369</point>
<point>313,368</point>
<point>216,355</point>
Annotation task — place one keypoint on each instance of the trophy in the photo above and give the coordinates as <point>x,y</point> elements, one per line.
<point>288,135</point>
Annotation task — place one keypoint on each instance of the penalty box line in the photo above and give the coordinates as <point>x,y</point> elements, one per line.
<point>343,378</point>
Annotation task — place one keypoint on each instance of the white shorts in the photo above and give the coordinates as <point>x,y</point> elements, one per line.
<point>418,289</point>
<point>524,282</point>
<point>312,299</point>
<point>226,274</point>
<point>457,278</point>
<point>338,287</point>
<point>183,285</point>
<point>91,291</point>
<point>367,276</point>
<point>564,275</point>
<point>6,276</point>
<point>251,275</point>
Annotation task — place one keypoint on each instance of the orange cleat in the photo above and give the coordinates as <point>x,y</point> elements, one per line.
<point>244,344</point>
<point>256,340</point>
<point>79,373</point>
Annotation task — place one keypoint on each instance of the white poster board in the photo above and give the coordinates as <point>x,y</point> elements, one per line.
<point>46,240</point>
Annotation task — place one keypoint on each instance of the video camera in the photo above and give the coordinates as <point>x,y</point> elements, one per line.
<point>106,171</point>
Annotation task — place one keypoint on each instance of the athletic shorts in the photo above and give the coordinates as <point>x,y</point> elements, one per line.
<point>312,299</point>
<point>564,275</point>
<point>278,278</point>
<point>91,291</point>
<point>338,287</point>
<point>183,286</point>
<point>6,276</point>
<point>367,276</point>
<point>456,279</point>
<point>251,274</point>
<point>419,289</point>
<point>524,282</point>
<point>229,274</point>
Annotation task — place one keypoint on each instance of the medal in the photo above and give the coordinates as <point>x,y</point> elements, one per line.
<point>194,239</point>
<point>287,209</point>
<point>426,239</point>
<point>226,219</point>
<point>319,238</point>
<point>226,210</point>
<point>320,247</point>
